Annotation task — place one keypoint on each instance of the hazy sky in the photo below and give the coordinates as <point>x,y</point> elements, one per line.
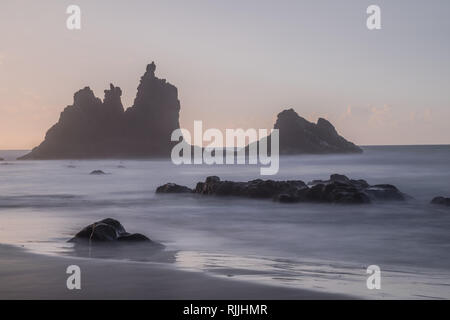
<point>236,63</point>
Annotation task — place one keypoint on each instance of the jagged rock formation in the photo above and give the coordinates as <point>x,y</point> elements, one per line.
<point>91,128</point>
<point>338,189</point>
<point>299,136</point>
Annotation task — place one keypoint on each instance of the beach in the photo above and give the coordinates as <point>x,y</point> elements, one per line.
<point>225,248</point>
<point>24,275</point>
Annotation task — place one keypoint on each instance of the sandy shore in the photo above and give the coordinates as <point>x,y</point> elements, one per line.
<point>25,275</point>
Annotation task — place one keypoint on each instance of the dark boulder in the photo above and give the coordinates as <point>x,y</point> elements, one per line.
<point>133,237</point>
<point>107,230</point>
<point>1,159</point>
<point>337,192</point>
<point>360,183</point>
<point>341,189</point>
<point>173,188</point>
<point>97,172</point>
<point>441,201</point>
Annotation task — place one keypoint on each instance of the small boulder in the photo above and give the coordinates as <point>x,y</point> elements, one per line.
<point>442,201</point>
<point>107,230</point>
<point>97,172</point>
<point>173,188</point>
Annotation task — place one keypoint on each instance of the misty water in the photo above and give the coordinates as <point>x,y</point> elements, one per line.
<point>311,246</point>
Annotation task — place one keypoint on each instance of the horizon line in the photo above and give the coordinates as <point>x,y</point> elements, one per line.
<point>359,145</point>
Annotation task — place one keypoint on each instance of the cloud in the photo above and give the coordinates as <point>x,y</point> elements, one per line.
<point>382,116</point>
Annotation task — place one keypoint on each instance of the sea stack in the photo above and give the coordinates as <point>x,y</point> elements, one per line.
<point>299,136</point>
<point>92,128</point>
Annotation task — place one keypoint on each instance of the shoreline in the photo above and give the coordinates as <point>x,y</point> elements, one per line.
<point>26,275</point>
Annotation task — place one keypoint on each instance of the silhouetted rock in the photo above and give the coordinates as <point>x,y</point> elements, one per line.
<point>338,189</point>
<point>173,188</point>
<point>97,172</point>
<point>91,128</point>
<point>441,201</point>
<point>299,136</point>
<point>108,230</point>
<point>1,159</point>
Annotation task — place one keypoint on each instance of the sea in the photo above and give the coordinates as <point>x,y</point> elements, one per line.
<point>322,247</point>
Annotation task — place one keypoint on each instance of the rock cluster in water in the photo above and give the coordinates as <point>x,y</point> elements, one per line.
<point>108,230</point>
<point>338,189</point>
<point>92,128</point>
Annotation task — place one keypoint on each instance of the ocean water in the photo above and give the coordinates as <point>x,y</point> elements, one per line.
<point>313,246</point>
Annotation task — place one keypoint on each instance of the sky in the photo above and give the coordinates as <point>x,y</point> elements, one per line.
<point>236,63</point>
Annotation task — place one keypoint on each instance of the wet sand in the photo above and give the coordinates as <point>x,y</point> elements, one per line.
<point>25,275</point>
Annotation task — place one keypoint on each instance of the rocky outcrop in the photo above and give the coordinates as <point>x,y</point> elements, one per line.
<point>299,136</point>
<point>338,189</point>
<point>92,128</point>
<point>108,230</point>
<point>252,189</point>
<point>442,201</point>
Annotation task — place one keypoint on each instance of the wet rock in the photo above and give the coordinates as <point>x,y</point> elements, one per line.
<point>360,183</point>
<point>385,192</point>
<point>441,201</point>
<point>337,192</point>
<point>173,188</point>
<point>253,189</point>
<point>133,237</point>
<point>337,189</point>
<point>107,230</point>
